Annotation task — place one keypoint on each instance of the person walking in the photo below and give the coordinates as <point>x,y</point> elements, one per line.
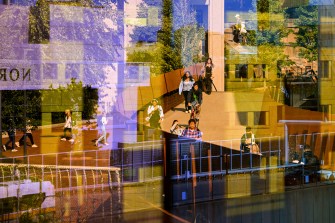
<point>208,79</point>
<point>194,99</point>
<point>155,114</point>
<point>28,133</point>
<point>175,128</point>
<point>185,86</point>
<point>11,134</point>
<point>192,131</point>
<point>68,126</point>
<point>103,136</point>
<point>248,142</point>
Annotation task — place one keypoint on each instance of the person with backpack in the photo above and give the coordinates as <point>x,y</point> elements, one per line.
<point>194,99</point>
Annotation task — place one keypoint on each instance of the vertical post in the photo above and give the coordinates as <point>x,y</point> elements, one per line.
<point>286,142</point>
<point>227,163</point>
<point>210,179</point>
<point>1,123</point>
<point>25,124</point>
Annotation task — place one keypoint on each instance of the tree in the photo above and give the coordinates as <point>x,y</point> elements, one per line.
<point>147,33</point>
<point>39,22</point>
<point>18,105</point>
<point>307,34</point>
<point>188,34</point>
<point>268,23</point>
<point>178,39</point>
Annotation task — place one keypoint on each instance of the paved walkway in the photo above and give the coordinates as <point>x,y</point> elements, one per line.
<point>219,113</point>
<point>218,121</point>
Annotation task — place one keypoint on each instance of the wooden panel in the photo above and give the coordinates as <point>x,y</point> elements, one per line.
<point>158,86</point>
<point>172,80</point>
<point>146,94</point>
<point>327,156</point>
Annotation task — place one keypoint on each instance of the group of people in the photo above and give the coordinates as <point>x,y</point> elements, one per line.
<point>192,92</point>
<point>101,122</point>
<point>12,135</point>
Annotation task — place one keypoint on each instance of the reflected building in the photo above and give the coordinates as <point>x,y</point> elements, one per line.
<point>87,56</point>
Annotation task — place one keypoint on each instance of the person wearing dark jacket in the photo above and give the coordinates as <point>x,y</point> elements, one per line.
<point>194,99</point>
<point>11,134</point>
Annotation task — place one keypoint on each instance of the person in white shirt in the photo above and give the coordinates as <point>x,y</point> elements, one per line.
<point>155,114</point>
<point>176,129</point>
<point>103,124</point>
<point>185,86</point>
<point>68,126</point>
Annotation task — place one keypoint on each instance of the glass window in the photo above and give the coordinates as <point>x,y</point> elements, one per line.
<point>242,118</point>
<point>259,70</point>
<point>241,71</point>
<point>260,118</point>
<point>324,70</point>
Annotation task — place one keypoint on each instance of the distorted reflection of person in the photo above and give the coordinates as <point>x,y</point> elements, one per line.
<point>154,119</point>
<point>155,114</point>
<point>67,126</point>
<point>208,77</point>
<point>239,31</point>
<point>176,129</point>
<point>194,100</point>
<point>308,157</point>
<point>248,142</point>
<point>27,133</point>
<point>102,124</point>
<point>11,131</point>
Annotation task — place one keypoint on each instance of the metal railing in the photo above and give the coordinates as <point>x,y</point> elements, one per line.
<point>216,157</point>
<point>139,162</point>
<point>77,178</point>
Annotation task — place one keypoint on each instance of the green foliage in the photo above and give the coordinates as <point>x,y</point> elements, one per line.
<point>18,104</point>
<point>39,22</point>
<point>307,34</point>
<point>166,39</point>
<point>90,102</point>
<point>270,55</point>
<point>188,35</point>
<point>82,98</point>
<point>178,40</point>
<point>269,21</point>
<point>262,6</point>
<point>150,54</point>
<point>187,42</point>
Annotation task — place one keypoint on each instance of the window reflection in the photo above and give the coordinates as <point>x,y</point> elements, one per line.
<point>82,70</point>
